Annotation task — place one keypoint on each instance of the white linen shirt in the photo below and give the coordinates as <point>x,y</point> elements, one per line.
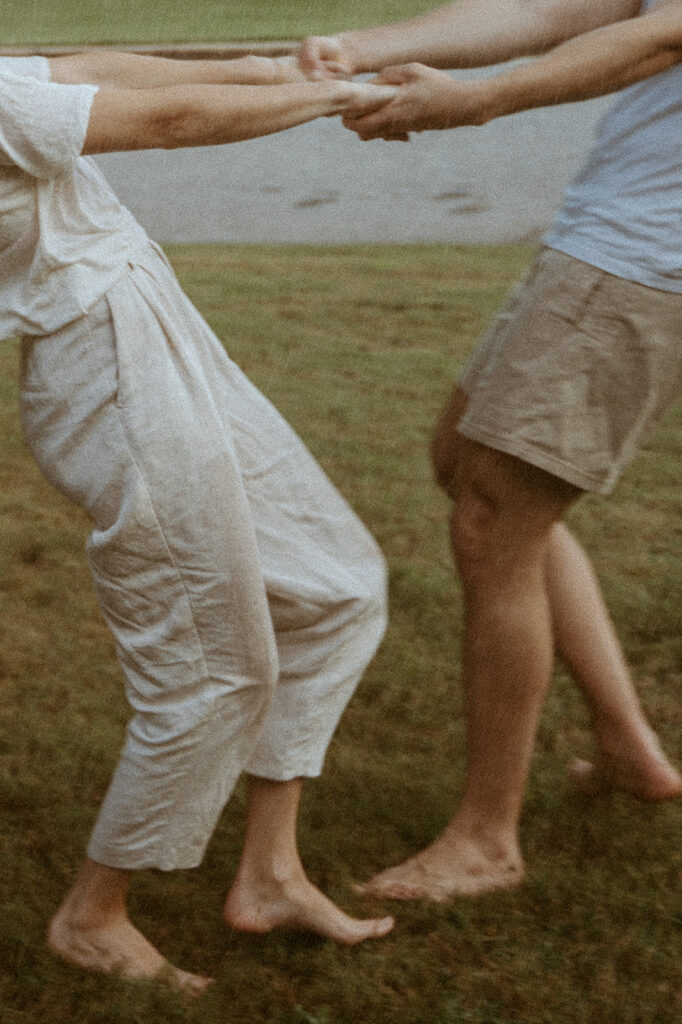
<point>64,236</point>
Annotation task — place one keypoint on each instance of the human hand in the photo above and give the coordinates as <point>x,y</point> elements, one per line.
<point>324,57</point>
<point>425,100</point>
<point>362,99</point>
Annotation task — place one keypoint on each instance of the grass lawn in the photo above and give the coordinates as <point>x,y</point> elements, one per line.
<point>29,22</point>
<point>357,346</point>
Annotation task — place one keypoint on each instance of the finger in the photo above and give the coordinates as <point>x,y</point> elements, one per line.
<point>337,69</point>
<point>320,57</point>
<point>364,131</point>
<point>397,74</point>
<point>368,98</point>
<point>308,56</point>
<point>373,124</point>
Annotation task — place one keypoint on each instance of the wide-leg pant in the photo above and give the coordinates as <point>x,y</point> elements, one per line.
<point>245,597</point>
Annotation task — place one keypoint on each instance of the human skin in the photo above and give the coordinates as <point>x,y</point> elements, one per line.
<point>530,593</point>
<point>468,33</point>
<point>152,103</point>
<point>587,50</point>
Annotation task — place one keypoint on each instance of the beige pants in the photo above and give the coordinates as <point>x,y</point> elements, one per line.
<point>245,597</point>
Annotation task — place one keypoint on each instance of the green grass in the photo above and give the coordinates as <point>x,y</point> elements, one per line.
<point>32,22</point>
<point>358,347</point>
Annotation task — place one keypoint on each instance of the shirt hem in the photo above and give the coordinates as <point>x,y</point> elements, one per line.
<point>541,460</point>
<point>601,261</point>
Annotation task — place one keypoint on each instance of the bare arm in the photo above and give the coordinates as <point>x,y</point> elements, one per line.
<point>469,33</point>
<point>113,69</point>
<point>595,63</point>
<point>204,115</point>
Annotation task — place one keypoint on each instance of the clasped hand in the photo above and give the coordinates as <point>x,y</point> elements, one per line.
<point>426,99</point>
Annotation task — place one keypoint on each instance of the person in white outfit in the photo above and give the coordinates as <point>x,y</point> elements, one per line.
<point>245,597</point>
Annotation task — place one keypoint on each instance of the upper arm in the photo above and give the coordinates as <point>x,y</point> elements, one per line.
<point>564,19</point>
<point>119,70</point>
<point>585,15</point>
<point>76,68</point>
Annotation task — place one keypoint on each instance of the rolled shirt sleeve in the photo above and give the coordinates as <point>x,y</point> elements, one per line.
<point>43,124</point>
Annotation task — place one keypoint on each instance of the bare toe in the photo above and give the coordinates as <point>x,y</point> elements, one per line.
<point>651,779</point>
<point>298,905</point>
<point>192,985</point>
<point>451,866</point>
<point>117,948</point>
<point>586,779</point>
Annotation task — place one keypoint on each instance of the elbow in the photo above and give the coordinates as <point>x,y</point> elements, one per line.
<point>170,128</point>
<point>141,119</point>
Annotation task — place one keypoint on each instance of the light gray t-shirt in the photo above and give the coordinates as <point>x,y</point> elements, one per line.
<point>623,213</point>
<point>64,236</point>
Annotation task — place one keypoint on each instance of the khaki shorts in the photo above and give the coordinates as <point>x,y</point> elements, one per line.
<point>575,371</point>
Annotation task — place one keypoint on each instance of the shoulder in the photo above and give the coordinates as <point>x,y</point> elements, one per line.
<point>42,124</point>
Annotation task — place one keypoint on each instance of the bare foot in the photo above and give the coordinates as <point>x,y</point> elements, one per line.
<point>117,947</point>
<point>648,778</point>
<point>450,866</point>
<point>296,903</point>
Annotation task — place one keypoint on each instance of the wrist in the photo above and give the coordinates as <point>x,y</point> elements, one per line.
<point>350,50</point>
<point>485,101</point>
<point>286,70</point>
<point>339,94</point>
<point>256,70</point>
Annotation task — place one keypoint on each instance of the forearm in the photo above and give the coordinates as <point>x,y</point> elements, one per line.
<point>204,115</point>
<point>594,64</point>
<point>112,69</point>
<point>472,33</point>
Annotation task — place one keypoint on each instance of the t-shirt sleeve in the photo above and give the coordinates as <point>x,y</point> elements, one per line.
<point>28,67</point>
<point>43,124</point>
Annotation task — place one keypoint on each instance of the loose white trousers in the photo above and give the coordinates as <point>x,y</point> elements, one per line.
<point>245,597</point>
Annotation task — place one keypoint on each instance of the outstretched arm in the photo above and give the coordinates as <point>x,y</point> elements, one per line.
<point>205,115</point>
<point>113,69</point>
<point>469,33</point>
<point>592,64</point>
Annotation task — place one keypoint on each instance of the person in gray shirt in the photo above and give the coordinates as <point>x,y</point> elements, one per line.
<point>577,369</point>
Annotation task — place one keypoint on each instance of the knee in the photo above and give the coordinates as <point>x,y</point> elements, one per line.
<point>366,598</point>
<point>359,589</point>
<point>357,604</point>
<point>472,531</point>
<point>263,668</point>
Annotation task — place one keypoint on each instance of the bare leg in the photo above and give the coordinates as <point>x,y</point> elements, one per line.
<point>629,756</point>
<point>271,889</point>
<point>528,586</point>
<point>92,930</point>
<point>502,522</point>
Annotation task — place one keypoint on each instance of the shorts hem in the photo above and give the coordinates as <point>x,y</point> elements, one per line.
<point>542,460</point>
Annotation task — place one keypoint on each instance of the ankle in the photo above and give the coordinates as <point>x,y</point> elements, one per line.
<point>497,843</point>
<point>272,872</point>
<point>625,742</point>
<point>84,915</point>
